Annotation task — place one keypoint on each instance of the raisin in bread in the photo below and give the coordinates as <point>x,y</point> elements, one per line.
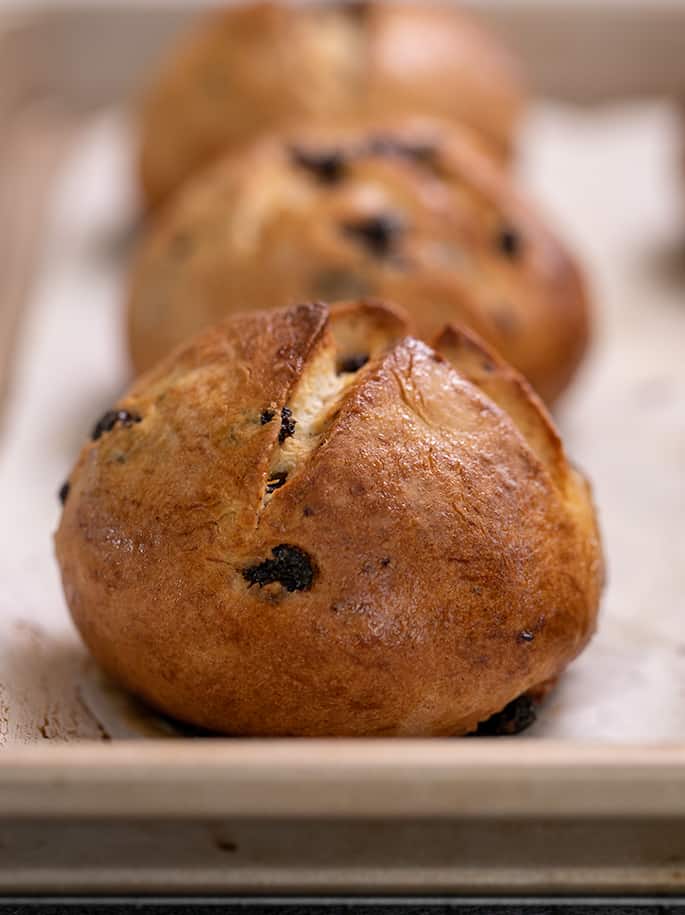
<point>306,523</point>
<point>412,212</point>
<point>258,67</point>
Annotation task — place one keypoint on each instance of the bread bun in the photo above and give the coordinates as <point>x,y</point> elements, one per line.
<point>306,523</point>
<point>410,212</point>
<point>264,66</point>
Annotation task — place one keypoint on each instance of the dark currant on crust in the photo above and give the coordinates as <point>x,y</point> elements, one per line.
<point>378,234</point>
<point>513,719</point>
<point>291,567</point>
<point>63,493</point>
<point>107,422</point>
<point>509,242</point>
<point>275,481</point>
<point>267,416</point>
<point>287,425</point>
<point>326,165</point>
<point>330,165</point>
<point>353,363</point>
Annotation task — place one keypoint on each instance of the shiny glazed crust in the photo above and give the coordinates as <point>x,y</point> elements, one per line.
<point>264,66</point>
<point>411,212</point>
<point>305,523</point>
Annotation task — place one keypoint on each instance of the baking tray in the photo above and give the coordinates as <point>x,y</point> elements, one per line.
<point>592,799</point>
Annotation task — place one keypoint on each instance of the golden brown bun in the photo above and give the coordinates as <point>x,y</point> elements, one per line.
<point>265,66</point>
<point>410,212</point>
<point>271,538</point>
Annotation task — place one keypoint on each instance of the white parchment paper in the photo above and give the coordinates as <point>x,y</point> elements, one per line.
<point>610,181</point>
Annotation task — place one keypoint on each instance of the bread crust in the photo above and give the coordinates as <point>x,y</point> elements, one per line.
<point>409,211</point>
<point>259,67</point>
<point>429,556</point>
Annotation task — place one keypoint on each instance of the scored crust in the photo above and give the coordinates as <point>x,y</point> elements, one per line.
<point>300,536</point>
<point>509,390</point>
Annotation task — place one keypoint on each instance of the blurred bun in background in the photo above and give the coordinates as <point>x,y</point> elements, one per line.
<point>412,211</point>
<point>254,68</point>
